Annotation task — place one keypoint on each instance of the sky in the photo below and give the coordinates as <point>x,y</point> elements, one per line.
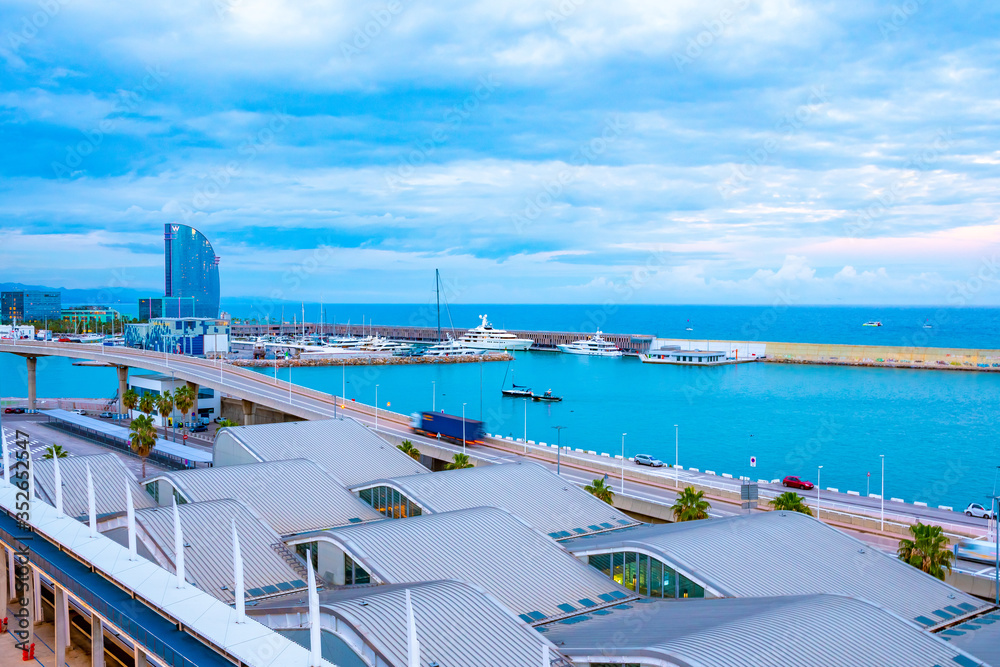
<point>562,151</point>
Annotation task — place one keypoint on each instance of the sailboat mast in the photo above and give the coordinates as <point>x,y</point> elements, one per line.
<point>437,289</point>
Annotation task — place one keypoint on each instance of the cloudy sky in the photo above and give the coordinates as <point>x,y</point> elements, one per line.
<point>690,151</point>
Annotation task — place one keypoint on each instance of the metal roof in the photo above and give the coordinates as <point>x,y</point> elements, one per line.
<point>489,636</point>
<point>342,447</point>
<point>110,477</point>
<point>979,636</point>
<point>269,567</point>
<point>294,496</point>
<point>527,490</point>
<point>483,546</point>
<point>121,433</point>
<point>809,631</point>
<point>788,553</point>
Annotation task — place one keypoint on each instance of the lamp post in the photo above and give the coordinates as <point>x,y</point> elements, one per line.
<point>558,445</point>
<point>995,503</point>
<point>819,487</point>
<point>525,424</point>
<point>376,407</point>
<point>677,450</point>
<point>463,428</point>
<point>623,462</point>
<point>433,397</point>
<point>882,499</point>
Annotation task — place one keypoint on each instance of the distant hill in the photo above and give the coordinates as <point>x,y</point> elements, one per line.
<point>98,295</point>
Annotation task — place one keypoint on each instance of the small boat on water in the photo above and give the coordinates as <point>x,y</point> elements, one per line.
<point>452,348</point>
<point>872,323</point>
<point>547,397</point>
<point>594,346</point>
<point>516,390</point>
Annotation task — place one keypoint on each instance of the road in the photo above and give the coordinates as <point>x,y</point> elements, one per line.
<point>307,403</point>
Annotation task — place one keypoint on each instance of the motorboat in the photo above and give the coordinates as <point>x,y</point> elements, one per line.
<point>594,346</point>
<point>485,337</point>
<point>872,323</point>
<point>547,397</point>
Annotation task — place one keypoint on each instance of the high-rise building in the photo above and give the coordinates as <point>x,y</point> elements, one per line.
<point>191,269</point>
<point>31,306</point>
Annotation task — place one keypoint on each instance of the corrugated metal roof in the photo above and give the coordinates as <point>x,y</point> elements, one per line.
<point>344,448</point>
<point>809,631</point>
<point>485,547</point>
<point>788,553</point>
<point>293,496</point>
<point>527,490</point>
<point>109,474</point>
<point>269,567</point>
<point>979,636</point>
<point>457,624</point>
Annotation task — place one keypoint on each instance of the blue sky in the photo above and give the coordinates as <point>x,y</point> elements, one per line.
<point>567,151</point>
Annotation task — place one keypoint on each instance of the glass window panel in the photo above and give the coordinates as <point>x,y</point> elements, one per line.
<point>395,505</point>
<point>616,562</point>
<point>669,582</point>
<point>366,495</point>
<point>689,589</point>
<point>361,576</point>
<point>630,573</point>
<point>642,586</point>
<point>655,578</point>
<point>348,570</point>
<point>602,562</point>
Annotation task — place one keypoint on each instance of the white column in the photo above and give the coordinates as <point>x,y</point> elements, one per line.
<point>315,634</point>
<point>96,641</point>
<point>61,624</point>
<point>3,583</point>
<point>91,503</point>
<point>140,656</point>
<point>36,596</point>
<point>238,588</point>
<point>412,643</point>
<point>11,572</point>
<point>57,481</point>
<point>178,546</point>
<point>130,516</point>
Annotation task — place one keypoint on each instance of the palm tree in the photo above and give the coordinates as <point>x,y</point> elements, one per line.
<point>791,502</point>
<point>601,490</point>
<point>130,400</point>
<point>407,448</point>
<point>164,406</point>
<point>184,400</point>
<point>146,404</point>
<point>690,505</point>
<point>458,462</point>
<point>227,423</point>
<point>142,437</point>
<point>55,452</point>
<point>927,551</point>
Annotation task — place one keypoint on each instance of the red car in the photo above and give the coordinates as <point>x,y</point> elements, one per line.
<point>796,483</point>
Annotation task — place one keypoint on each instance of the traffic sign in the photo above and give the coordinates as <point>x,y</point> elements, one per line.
<point>753,461</point>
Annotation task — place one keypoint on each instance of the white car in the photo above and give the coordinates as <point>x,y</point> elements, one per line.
<point>647,460</point>
<point>78,412</point>
<point>975,509</point>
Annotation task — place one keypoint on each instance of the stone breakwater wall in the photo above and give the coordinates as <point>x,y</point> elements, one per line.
<point>935,358</point>
<point>369,361</point>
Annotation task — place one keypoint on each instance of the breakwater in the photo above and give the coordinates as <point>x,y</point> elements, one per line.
<point>352,360</point>
<point>887,356</point>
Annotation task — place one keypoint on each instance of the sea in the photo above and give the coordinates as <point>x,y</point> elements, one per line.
<point>936,429</point>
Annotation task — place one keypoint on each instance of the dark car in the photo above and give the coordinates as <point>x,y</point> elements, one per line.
<point>647,460</point>
<point>796,483</point>
<point>198,428</point>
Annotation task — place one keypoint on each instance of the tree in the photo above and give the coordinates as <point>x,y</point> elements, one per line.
<point>142,438</point>
<point>227,423</point>
<point>601,490</point>
<point>690,505</point>
<point>184,400</point>
<point>55,452</point>
<point>165,406</point>
<point>407,448</point>
<point>130,400</point>
<point>458,462</point>
<point>147,404</point>
<point>927,551</point>
<point>791,502</point>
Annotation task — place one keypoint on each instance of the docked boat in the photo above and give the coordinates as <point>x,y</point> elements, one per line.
<point>451,348</point>
<point>547,397</point>
<point>383,345</point>
<point>872,323</point>
<point>516,390</point>
<point>594,346</point>
<point>485,337</point>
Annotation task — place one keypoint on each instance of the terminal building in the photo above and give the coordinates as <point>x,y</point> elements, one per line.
<point>30,306</point>
<point>192,336</point>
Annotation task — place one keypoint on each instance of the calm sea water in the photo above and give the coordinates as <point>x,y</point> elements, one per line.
<point>937,429</point>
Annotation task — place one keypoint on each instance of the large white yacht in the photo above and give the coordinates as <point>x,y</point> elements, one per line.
<point>452,348</point>
<point>485,337</point>
<point>594,346</point>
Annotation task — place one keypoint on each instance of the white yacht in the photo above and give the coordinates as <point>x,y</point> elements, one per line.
<point>485,337</point>
<point>452,348</point>
<point>384,345</point>
<point>594,346</point>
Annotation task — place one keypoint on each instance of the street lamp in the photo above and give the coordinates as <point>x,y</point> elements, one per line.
<point>819,487</point>
<point>677,450</point>
<point>433,397</point>
<point>623,461</point>
<point>463,427</point>
<point>376,407</point>
<point>558,445</point>
<point>525,425</point>
<point>882,528</point>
